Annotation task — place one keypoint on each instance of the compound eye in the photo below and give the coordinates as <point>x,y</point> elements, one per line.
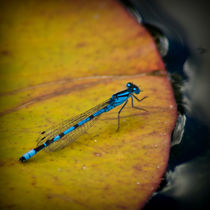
<point>128,84</point>
<point>134,89</point>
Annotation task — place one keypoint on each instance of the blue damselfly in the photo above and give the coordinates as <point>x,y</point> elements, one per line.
<point>66,132</point>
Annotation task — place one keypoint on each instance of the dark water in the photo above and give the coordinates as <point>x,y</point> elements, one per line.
<point>181,32</point>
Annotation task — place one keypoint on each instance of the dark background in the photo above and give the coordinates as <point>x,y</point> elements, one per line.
<point>186,25</point>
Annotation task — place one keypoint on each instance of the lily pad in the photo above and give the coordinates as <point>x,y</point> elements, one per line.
<point>59,59</point>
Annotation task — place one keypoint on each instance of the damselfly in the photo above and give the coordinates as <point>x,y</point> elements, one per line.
<point>69,130</point>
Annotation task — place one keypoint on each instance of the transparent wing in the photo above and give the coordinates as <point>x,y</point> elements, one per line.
<point>70,137</point>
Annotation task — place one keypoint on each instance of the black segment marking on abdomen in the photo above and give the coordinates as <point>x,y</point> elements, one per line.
<point>61,135</point>
<point>91,117</point>
<point>39,148</point>
<point>75,126</point>
<point>48,142</point>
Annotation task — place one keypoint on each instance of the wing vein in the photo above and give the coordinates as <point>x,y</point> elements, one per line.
<point>73,135</point>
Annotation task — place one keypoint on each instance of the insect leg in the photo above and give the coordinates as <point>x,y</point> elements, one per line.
<point>138,101</point>
<point>119,115</point>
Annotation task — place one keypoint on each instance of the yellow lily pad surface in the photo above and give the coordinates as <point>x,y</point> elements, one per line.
<point>59,59</point>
